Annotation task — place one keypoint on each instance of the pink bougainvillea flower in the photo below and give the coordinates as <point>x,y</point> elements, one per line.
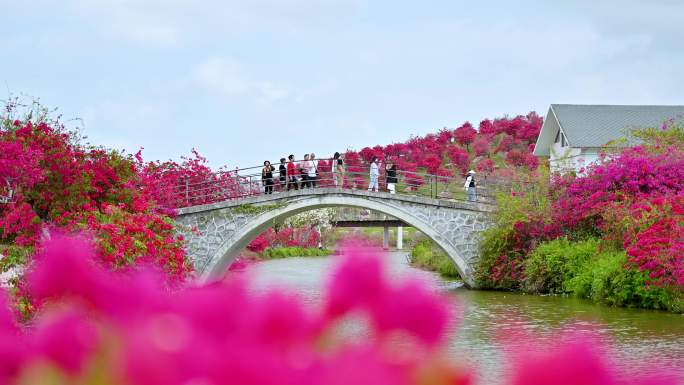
<point>66,338</point>
<point>415,308</point>
<point>64,267</point>
<point>13,350</point>
<point>357,281</point>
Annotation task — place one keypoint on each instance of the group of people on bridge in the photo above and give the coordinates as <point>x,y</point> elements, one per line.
<point>305,174</point>
<point>295,175</point>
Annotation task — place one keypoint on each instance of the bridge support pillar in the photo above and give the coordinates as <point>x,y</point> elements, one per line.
<point>385,237</point>
<point>400,237</point>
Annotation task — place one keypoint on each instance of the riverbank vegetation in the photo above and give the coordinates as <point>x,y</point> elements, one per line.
<point>614,235</point>
<point>293,251</point>
<point>426,255</point>
<point>302,235</point>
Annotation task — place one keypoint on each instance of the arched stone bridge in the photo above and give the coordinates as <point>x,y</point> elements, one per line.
<point>225,228</point>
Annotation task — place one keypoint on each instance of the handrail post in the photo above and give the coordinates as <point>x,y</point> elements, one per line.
<point>432,186</point>
<point>187,191</point>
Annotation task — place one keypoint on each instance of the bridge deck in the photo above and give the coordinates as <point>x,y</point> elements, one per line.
<point>326,191</point>
<point>372,223</point>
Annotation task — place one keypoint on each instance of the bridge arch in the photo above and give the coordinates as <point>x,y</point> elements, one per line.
<point>288,204</point>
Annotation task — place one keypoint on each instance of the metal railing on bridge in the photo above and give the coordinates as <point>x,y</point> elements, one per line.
<point>248,182</point>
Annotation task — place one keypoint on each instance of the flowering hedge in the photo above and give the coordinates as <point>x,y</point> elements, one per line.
<point>306,237</point>
<point>658,248</point>
<point>453,152</point>
<point>51,180</point>
<point>631,200</point>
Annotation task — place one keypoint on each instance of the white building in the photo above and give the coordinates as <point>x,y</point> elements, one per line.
<point>572,135</point>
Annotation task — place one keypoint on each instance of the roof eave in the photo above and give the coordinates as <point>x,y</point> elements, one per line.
<point>543,145</point>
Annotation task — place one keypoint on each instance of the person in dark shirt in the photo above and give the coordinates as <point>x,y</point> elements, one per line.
<point>267,177</point>
<point>391,175</point>
<point>469,186</point>
<point>282,171</point>
<point>337,169</point>
<point>304,172</point>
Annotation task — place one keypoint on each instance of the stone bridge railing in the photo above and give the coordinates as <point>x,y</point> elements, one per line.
<point>244,183</point>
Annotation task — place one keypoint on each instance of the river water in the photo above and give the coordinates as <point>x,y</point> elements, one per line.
<point>640,340</point>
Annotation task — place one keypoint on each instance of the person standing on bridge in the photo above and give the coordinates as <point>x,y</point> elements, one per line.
<point>282,174</point>
<point>374,173</point>
<point>304,172</point>
<point>292,174</point>
<point>267,177</point>
<point>469,186</point>
<point>391,175</point>
<point>334,170</point>
<point>313,170</point>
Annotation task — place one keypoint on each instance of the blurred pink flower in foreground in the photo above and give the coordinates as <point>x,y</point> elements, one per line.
<point>96,326</point>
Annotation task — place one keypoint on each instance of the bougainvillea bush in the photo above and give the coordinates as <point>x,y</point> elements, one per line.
<point>305,237</point>
<point>496,146</point>
<point>50,179</point>
<point>97,327</point>
<point>308,230</point>
<point>632,201</point>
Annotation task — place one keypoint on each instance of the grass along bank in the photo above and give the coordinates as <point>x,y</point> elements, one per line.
<point>426,255</point>
<point>284,252</point>
<point>582,269</point>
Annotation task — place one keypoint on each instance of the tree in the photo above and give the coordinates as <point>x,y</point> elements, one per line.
<point>465,134</point>
<point>485,166</point>
<point>460,159</point>
<point>481,146</point>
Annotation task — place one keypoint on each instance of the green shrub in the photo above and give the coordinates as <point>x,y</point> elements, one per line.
<point>554,262</point>
<point>495,242</point>
<point>13,256</point>
<point>607,279</point>
<point>425,256</point>
<point>532,199</point>
<point>284,252</point>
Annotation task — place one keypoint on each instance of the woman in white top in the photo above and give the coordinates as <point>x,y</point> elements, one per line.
<point>374,173</point>
<point>313,170</point>
<point>469,186</point>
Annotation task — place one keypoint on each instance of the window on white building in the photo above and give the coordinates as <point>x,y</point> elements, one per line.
<point>560,138</point>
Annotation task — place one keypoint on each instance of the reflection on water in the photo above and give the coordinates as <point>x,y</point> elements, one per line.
<point>639,337</point>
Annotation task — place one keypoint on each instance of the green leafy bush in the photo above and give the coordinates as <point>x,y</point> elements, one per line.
<point>521,210</point>
<point>425,256</point>
<point>556,261</point>
<point>284,252</point>
<point>607,280</point>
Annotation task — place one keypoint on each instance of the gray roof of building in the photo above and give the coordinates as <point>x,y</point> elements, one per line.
<point>596,125</point>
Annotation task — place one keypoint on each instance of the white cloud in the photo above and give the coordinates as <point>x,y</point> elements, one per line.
<point>222,76</point>
<point>146,33</point>
<point>269,93</point>
<point>225,77</point>
<point>167,22</point>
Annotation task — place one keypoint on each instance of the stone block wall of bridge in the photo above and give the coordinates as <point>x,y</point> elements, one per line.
<point>218,232</point>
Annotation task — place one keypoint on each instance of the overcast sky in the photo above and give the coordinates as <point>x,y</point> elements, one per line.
<point>243,81</point>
